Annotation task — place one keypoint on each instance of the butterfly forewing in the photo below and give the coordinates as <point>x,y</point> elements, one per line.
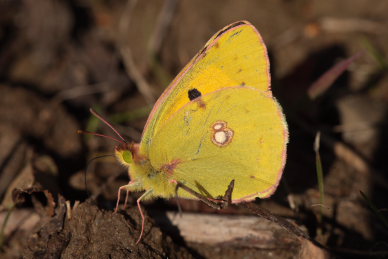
<point>234,56</point>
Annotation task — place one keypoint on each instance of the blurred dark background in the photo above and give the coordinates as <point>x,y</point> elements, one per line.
<point>59,58</point>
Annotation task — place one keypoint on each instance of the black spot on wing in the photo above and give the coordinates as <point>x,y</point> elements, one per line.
<point>193,94</point>
<point>229,27</point>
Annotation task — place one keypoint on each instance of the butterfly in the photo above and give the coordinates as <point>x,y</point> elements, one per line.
<point>216,125</point>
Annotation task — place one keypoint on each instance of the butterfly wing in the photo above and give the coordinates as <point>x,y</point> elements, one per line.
<point>236,55</point>
<point>234,133</point>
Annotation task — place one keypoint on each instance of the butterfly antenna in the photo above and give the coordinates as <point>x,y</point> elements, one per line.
<point>107,123</point>
<point>102,135</point>
<point>86,171</point>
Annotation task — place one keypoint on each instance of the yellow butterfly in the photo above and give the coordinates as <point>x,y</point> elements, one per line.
<point>216,122</point>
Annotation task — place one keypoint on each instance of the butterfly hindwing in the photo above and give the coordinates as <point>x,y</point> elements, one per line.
<point>234,133</point>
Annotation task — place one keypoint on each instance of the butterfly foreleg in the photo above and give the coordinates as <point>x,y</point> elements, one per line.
<point>128,187</point>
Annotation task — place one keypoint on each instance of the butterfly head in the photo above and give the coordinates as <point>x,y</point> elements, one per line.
<point>128,153</point>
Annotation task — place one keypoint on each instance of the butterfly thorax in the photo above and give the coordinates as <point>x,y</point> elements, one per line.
<point>141,170</point>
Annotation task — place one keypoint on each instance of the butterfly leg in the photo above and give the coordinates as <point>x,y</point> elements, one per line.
<point>214,203</point>
<point>147,193</point>
<point>118,198</point>
<point>176,196</point>
<point>228,194</point>
<point>226,200</point>
<point>126,199</point>
<point>130,186</point>
<point>177,203</point>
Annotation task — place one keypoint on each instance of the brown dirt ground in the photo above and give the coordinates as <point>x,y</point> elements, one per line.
<point>58,58</point>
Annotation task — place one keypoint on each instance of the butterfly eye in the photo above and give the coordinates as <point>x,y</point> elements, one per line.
<point>127,156</point>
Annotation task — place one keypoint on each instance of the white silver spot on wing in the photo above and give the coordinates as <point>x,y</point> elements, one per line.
<point>222,135</point>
